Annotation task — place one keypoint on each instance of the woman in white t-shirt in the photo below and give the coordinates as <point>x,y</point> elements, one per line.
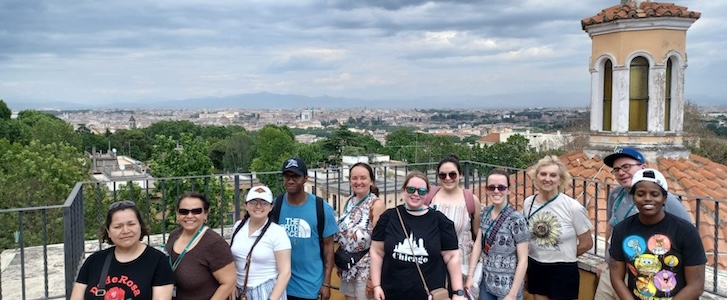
<point>266,274</point>
<point>560,232</point>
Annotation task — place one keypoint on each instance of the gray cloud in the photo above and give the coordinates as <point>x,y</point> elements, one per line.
<point>106,51</point>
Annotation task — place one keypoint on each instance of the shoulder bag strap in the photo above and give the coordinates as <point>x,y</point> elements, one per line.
<point>490,238</point>
<point>406,236</point>
<point>104,272</point>
<point>277,207</point>
<point>249,257</point>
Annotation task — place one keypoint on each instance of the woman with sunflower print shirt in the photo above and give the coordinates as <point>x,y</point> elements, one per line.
<point>560,232</point>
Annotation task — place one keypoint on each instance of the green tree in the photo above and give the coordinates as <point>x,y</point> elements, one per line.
<point>15,131</point>
<point>49,129</point>
<point>239,151</point>
<point>37,174</point>
<point>273,145</point>
<point>5,112</point>
<point>312,154</point>
<point>173,129</point>
<point>189,162</point>
<point>132,142</point>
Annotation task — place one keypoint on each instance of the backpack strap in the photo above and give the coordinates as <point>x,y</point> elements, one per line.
<point>320,215</point>
<point>469,200</point>
<point>430,195</point>
<point>277,205</point>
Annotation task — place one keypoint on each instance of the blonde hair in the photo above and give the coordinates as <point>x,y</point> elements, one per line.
<point>550,160</point>
<point>415,174</point>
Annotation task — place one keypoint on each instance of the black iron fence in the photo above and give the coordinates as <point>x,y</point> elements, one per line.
<point>82,216</point>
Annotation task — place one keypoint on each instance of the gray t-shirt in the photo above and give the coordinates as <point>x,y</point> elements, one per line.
<point>621,206</point>
<point>501,261</point>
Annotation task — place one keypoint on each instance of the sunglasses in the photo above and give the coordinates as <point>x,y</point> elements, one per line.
<point>500,188</point>
<point>194,211</point>
<point>452,175</point>
<point>420,191</point>
<point>122,204</point>
<point>254,203</point>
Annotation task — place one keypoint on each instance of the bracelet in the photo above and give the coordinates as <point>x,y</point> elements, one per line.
<point>328,285</point>
<point>375,287</point>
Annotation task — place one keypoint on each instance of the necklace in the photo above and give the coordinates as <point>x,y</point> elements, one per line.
<point>415,209</point>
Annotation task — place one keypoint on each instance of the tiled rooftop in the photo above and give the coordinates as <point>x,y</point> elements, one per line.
<point>645,10</point>
<point>696,176</point>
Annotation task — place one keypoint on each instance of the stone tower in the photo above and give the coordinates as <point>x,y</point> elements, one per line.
<point>132,123</point>
<point>637,77</point>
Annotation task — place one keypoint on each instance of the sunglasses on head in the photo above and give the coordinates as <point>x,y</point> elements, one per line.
<point>420,191</point>
<point>122,204</point>
<point>452,175</point>
<point>194,211</point>
<point>492,188</point>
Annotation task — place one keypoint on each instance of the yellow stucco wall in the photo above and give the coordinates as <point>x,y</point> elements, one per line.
<point>658,42</point>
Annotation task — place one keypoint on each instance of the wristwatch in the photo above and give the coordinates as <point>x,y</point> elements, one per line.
<point>458,292</point>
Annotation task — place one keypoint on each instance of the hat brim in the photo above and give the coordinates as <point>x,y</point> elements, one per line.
<point>609,160</point>
<point>296,171</point>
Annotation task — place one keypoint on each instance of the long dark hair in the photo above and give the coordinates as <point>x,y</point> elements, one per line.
<point>373,188</point>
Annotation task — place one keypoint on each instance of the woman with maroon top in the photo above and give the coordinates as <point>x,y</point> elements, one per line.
<point>201,259</point>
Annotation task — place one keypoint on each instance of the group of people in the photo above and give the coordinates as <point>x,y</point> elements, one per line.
<point>441,242</point>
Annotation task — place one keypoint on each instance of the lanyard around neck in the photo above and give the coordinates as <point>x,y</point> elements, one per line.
<point>492,222</point>
<point>618,202</point>
<point>179,259</point>
<point>532,213</point>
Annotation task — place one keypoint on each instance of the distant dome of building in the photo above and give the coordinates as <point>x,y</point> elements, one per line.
<point>641,10</point>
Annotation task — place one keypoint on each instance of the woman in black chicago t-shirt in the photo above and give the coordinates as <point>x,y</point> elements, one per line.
<point>136,271</point>
<point>430,239</point>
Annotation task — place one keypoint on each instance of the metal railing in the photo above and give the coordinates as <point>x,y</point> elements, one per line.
<point>83,213</point>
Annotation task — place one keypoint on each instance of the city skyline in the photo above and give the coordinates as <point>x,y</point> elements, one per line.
<point>477,54</point>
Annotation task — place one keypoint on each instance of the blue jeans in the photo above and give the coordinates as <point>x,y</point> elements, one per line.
<point>484,295</point>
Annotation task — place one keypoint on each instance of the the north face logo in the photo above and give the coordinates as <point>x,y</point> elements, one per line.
<point>292,163</point>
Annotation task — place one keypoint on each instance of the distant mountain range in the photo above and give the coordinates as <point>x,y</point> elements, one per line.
<point>265,100</point>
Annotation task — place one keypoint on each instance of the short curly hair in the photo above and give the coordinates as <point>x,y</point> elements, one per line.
<point>551,160</point>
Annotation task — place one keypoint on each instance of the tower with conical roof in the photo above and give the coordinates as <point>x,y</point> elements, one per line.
<point>132,122</point>
<point>637,77</point>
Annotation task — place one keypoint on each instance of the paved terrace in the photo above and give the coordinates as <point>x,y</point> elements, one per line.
<point>47,272</point>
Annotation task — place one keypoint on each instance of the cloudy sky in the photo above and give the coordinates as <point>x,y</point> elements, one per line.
<point>116,52</point>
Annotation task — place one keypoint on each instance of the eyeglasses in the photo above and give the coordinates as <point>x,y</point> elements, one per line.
<point>194,211</point>
<point>254,203</point>
<point>492,188</point>
<point>122,204</point>
<point>420,191</point>
<point>452,175</point>
<point>625,168</point>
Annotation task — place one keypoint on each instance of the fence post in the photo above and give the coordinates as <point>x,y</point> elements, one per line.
<point>466,174</point>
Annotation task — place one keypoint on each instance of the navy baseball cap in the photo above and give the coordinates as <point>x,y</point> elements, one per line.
<point>295,165</point>
<point>624,152</point>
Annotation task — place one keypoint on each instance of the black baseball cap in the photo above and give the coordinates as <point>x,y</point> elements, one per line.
<point>624,152</point>
<point>295,165</point>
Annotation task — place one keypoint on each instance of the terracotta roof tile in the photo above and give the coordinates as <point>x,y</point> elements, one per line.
<point>645,10</point>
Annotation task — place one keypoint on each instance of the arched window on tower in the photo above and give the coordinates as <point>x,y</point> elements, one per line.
<point>667,98</point>
<point>638,94</point>
<point>607,94</point>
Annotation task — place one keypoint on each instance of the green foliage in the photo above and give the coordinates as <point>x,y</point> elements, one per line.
<point>133,142</point>
<point>49,129</point>
<point>312,154</point>
<point>5,112</point>
<point>273,145</point>
<point>37,174</point>
<point>14,131</point>
<point>187,159</point>
<point>238,152</point>
<point>173,129</point>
